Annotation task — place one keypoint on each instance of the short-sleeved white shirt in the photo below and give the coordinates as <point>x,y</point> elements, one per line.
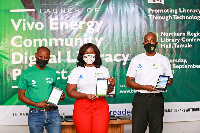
<point>146,69</point>
<point>86,78</point>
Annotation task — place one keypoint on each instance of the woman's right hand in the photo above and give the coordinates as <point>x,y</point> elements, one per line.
<point>91,96</point>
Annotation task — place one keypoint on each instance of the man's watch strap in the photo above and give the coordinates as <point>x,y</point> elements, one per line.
<point>111,86</point>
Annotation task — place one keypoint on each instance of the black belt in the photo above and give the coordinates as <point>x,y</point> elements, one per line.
<point>46,109</point>
<point>149,94</point>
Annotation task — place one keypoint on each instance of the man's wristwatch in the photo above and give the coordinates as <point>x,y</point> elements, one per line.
<point>111,86</point>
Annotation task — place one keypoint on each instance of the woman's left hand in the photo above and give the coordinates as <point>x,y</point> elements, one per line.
<point>111,80</point>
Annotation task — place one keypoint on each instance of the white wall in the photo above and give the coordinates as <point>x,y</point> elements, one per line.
<point>171,127</point>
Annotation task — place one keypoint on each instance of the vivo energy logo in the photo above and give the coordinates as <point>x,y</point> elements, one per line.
<point>156,1</point>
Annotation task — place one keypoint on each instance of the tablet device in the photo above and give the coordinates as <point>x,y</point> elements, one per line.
<point>68,118</point>
<point>162,83</point>
<point>54,96</point>
<point>124,117</point>
<point>102,87</point>
<point>112,117</point>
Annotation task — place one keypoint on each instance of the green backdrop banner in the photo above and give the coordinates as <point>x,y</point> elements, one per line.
<point>117,27</point>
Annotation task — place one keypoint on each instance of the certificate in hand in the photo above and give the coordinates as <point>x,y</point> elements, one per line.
<point>55,96</point>
<point>162,83</point>
<point>102,87</point>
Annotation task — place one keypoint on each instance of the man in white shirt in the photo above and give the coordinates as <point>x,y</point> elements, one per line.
<point>142,75</point>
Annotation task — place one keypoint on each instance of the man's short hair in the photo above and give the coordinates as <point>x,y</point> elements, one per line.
<point>42,47</point>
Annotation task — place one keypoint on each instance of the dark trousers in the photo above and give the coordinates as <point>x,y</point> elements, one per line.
<point>147,110</point>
